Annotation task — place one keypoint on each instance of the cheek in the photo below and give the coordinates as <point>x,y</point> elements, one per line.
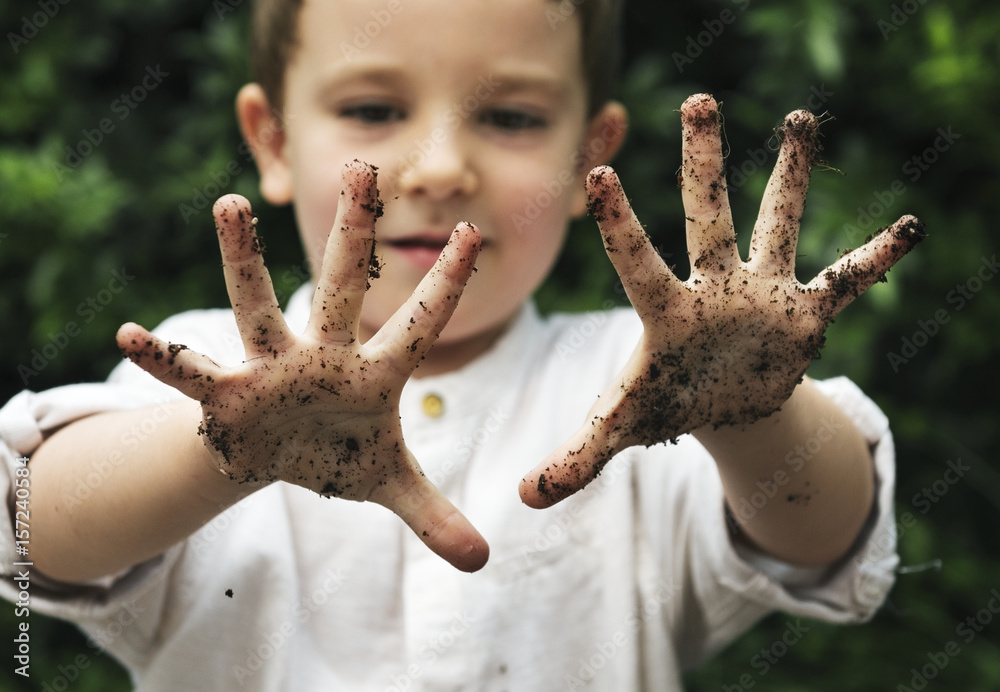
<point>316,197</point>
<point>537,214</point>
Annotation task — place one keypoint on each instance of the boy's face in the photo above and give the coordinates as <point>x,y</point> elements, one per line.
<point>473,111</point>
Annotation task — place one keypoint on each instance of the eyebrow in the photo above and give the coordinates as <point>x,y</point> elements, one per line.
<point>382,75</point>
<point>522,80</point>
<point>503,81</point>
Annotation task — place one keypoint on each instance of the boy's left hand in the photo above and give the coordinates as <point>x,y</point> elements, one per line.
<point>729,345</point>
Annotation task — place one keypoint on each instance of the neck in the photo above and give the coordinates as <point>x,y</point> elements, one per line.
<point>448,356</point>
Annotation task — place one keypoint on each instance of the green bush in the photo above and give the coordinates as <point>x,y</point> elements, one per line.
<point>106,182</point>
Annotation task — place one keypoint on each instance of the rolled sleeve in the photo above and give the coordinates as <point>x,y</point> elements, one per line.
<point>738,585</point>
<point>121,612</point>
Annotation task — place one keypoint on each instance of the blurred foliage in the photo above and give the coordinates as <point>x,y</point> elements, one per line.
<point>78,204</point>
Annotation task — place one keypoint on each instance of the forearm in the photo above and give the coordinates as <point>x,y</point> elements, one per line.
<point>799,482</point>
<point>114,489</point>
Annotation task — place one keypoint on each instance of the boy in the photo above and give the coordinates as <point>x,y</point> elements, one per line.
<point>326,594</point>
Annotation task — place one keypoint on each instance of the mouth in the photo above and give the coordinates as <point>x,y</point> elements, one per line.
<point>418,242</point>
<point>421,250</point>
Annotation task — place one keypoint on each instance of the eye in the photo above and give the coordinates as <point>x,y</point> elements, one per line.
<point>512,120</point>
<point>372,113</point>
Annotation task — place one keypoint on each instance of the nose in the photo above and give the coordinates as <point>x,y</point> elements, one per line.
<point>438,165</point>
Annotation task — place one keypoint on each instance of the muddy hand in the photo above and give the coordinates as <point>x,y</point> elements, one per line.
<point>321,410</point>
<point>729,344</point>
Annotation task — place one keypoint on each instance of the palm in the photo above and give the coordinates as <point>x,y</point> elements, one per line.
<point>321,409</point>
<point>729,344</point>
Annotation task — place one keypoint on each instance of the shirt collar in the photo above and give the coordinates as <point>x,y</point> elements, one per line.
<point>441,399</point>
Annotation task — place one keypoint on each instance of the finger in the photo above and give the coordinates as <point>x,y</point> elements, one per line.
<point>188,371</point>
<point>436,521</point>
<point>412,330</point>
<point>644,274</point>
<point>349,259</point>
<point>572,466</point>
<point>583,456</point>
<point>776,233</point>
<point>711,237</point>
<point>858,270</point>
<point>258,315</point>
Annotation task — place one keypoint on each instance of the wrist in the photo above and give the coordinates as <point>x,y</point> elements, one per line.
<point>215,487</point>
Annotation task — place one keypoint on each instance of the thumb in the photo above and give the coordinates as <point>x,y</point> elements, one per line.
<point>437,522</point>
<point>576,463</point>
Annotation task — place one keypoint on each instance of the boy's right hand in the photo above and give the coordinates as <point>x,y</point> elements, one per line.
<point>321,410</point>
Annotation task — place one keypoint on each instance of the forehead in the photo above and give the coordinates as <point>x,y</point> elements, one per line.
<point>439,36</point>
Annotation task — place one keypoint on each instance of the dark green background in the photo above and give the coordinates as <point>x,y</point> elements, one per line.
<point>888,86</point>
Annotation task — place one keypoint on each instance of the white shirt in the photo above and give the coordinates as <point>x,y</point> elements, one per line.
<point>618,588</point>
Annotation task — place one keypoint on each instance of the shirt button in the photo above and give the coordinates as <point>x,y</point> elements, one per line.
<point>433,406</point>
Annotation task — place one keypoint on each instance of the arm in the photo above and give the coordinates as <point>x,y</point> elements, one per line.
<point>320,409</point>
<point>800,482</point>
<point>724,350</point>
<point>159,492</point>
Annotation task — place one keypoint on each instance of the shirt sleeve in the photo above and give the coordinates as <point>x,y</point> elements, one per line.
<point>134,596</point>
<point>734,585</point>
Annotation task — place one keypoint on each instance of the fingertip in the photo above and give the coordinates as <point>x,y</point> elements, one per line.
<point>528,490</point>
<point>800,117</point>
<point>910,228</point>
<point>598,173</point>
<point>357,167</point>
<point>458,542</point>
<point>699,105</point>
<point>231,203</point>
<point>541,491</point>
<point>360,190</point>
<point>604,192</point>
<point>360,176</point>
<point>801,126</point>
<point>128,337</point>
<point>466,230</point>
<point>472,557</point>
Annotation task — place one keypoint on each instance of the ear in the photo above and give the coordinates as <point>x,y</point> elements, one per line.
<point>262,128</point>
<point>602,140</point>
